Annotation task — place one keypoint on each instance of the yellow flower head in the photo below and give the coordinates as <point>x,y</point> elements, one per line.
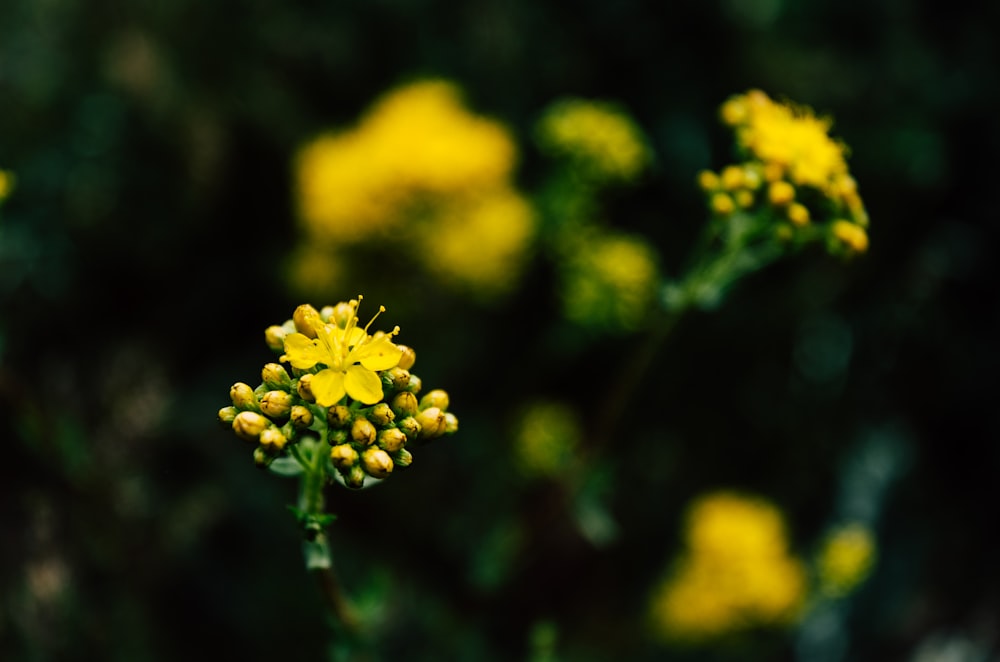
<point>6,184</point>
<point>600,137</point>
<point>846,559</point>
<point>736,573</point>
<point>788,137</point>
<point>349,357</point>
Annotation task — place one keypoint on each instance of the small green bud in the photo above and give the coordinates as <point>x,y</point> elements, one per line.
<point>376,462</point>
<point>343,456</point>
<point>408,358</point>
<point>402,458</point>
<point>338,416</point>
<point>272,440</point>
<point>450,423</point>
<point>274,336</point>
<point>391,439</point>
<point>362,431</point>
<point>261,458</point>
<point>342,313</point>
<point>431,423</point>
<point>301,417</point>
<point>276,377</point>
<point>436,398</point>
<point>338,437</point>
<point>381,415</point>
<point>307,320</point>
<point>227,414</point>
<point>404,403</point>
<point>276,404</point>
<point>415,384</point>
<point>304,388</point>
<point>248,425</point>
<point>355,477</point>
<point>326,314</point>
<point>242,396</point>
<point>410,427</point>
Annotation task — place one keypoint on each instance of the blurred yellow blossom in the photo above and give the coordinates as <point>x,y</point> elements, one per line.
<point>478,243</point>
<point>545,439</point>
<point>736,572</point>
<point>845,559</point>
<point>598,136</point>
<point>421,172</point>
<point>609,280</point>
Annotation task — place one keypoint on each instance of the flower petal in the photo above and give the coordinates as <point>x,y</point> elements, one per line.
<point>328,387</point>
<point>301,352</point>
<point>379,354</point>
<point>362,384</point>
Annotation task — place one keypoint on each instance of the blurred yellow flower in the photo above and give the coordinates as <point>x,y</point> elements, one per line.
<point>545,438</point>
<point>416,142</point>
<point>609,281</point>
<point>845,559</point>
<point>478,243</point>
<point>601,138</point>
<point>787,136</point>
<point>736,572</point>
<point>6,184</point>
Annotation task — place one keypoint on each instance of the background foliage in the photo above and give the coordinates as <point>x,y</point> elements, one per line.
<point>143,250</point>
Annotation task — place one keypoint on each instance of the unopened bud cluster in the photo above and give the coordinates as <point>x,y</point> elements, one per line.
<point>354,390</point>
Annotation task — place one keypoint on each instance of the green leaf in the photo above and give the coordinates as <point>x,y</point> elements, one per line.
<point>285,466</point>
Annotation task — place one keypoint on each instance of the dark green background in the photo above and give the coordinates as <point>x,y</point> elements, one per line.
<point>141,258</point>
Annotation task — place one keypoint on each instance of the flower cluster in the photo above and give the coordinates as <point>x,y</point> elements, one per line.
<point>736,574</point>
<point>421,172</point>
<point>793,172</point>
<point>348,386</point>
<point>602,141</point>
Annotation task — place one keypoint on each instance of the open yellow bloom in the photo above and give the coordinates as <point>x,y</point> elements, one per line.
<point>350,357</point>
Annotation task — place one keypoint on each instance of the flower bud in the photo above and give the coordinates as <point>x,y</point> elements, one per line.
<point>402,458</point>
<point>304,388</point>
<point>404,403</point>
<point>261,458</point>
<point>436,398</point>
<point>307,320</point>
<point>338,416</point>
<point>343,456</point>
<point>708,180</point>
<point>396,378</point>
<point>376,462</point>
<point>781,193</point>
<point>415,384</point>
<point>272,441</point>
<point>410,427</point>
<point>338,437</point>
<point>274,336</point>
<point>343,312</point>
<point>326,314</point>
<point>721,204</point>
<point>408,358</point>
<point>798,214</point>
<point>432,423</point>
<point>227,414</point>
<point>248,425</point>
<point>381,415</point>
<point>276,377</point>
<point>391,439</point>
<point>301,417</point>
<point>450,423</point>
<point>276,404</point>
<point>362,431</point>
<point>355,477</point>
<point>242,396</point>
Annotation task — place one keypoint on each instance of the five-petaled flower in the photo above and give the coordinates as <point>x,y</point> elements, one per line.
<point>350,358</point>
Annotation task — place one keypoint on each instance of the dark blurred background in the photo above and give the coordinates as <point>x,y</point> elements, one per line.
<point>141,257</point>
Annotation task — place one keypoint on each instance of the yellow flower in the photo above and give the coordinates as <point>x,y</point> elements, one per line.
<point>6,184</point>
<point>853,236</point>
<point>736,573</point>
<point>845,559</point>
<point>790,138</point>
<point>350,357</point>
<point>598,135</point>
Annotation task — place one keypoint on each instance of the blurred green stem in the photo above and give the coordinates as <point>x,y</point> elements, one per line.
<point>316,547</point>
